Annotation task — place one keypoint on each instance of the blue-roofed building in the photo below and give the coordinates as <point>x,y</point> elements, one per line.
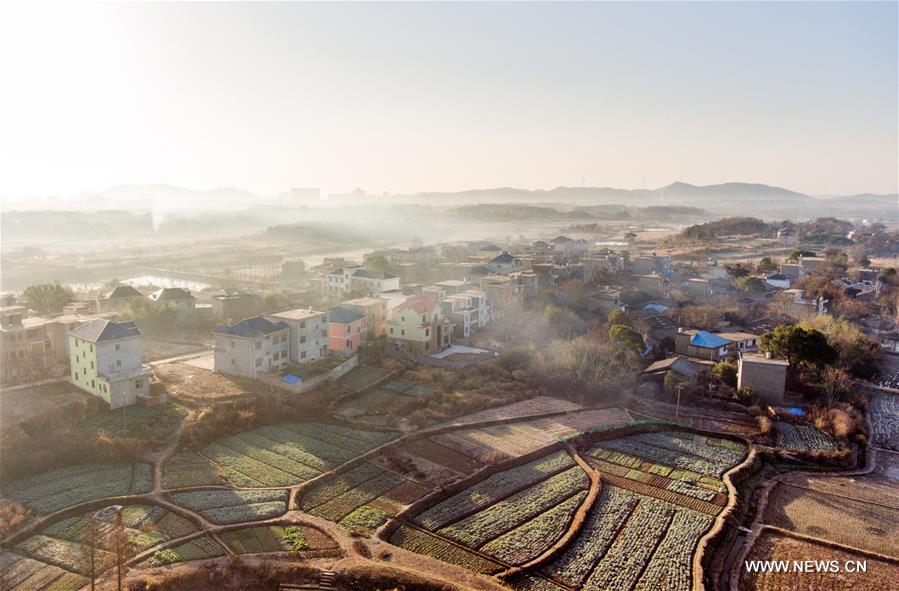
<point>252,347</point>
<point>701,344</point>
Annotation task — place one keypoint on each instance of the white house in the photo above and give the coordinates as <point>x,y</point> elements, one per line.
<point>105,360</point>
<point>358,279</point>
<point>251,347</point>
<point>308,333</point>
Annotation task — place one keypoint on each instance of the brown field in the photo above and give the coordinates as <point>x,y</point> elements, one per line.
<point>182,380</point>
<point>442,455</point>
<point>880,575</point>
<point>19,406</point>
<point>849,522</point>
<point>878,487</point>
<point>406,493</point>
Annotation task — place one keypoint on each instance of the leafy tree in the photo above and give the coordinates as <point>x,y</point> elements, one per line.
<point>794,255</point>
<point>627,338</point>
<point>150,317</point>
<point>726,372</point>
<point>751,284</point>
<point>47,298</point>
<point>858,352</point>
<point>799,346</point>
<point>378,262</point>
<point>766,265</point>
<point>618,318</point>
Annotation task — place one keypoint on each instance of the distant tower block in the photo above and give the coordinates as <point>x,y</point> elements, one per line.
<point>304,195</point>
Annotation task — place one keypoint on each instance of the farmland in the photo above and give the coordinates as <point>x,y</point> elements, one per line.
<point>21,573</point>
<point>278,538</point>
<point>803,438</point>
<point>362,377</point>
<point>884,413</point>
<point>197,549</point>
<point>234,506</point>
<point>279,455</point>
<point>147,423</point>
<point>347,498</point>
<point>710,458</point>
<point>860,524</point>
<point>880,575</point>
<point>50,491</point>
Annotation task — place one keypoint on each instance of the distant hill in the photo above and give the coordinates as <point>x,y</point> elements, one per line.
<point>738,226</point>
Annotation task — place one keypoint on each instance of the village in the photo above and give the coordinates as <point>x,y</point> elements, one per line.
<point>706,386</point>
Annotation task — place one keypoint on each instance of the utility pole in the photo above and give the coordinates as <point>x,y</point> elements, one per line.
<point>124,418</point>
<point>677,408</point>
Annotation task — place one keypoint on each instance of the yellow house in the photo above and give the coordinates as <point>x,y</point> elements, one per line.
<point>419,326</point>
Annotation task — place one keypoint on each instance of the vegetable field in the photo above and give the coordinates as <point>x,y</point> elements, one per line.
<point>50,491</point>
<point>234,506</point>
<point>884,413</point>
<point>21,573</point>
<point>338,497</point>
<point>275,538</point>
<point>422,542</point>
<point>197,549</point>
<point>803,438</point>
<point>280,455</point>
<point>676,450</point>
<point>363,376</point>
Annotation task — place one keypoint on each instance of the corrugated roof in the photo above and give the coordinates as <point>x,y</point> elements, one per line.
<point>100,330</point>
<point>707,340</point>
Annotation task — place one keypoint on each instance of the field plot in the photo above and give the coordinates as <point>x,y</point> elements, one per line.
<point>197,549</point>
<point>234,506</point>
<point>631,541</point>
<point>539,405</point>
<point>146,423</point>
<point>21,573</point>
<point>277,538</point>
<point>279,455</point>
<point>518,438</point>
<point>363,376</point>
<point>440,454</point>
<point>884,413</point>
<point>878,487</point>
<point>773,546</point>
<point>859,524</point>
<point>190,469</point>
<point>58,489</point>
<point>416,540</point>
<point>803,438</point>
<point>707,419</point>
<point>361,498</point>
<point>681,451</point>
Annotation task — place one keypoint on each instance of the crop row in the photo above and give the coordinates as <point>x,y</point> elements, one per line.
<point>364,518</point>
<point>803,437</point>
<point>612,509</point>
<point>671,566</point>
<point>657,474</point>
<point>194,550</point>
<point>422,542</point>
<point>228,506</point>
<point>26,574</point>
<point>535,583</point>
<point>651,453</point>
<point>884,412</point>
<point>633,548</point>
<point>475,530</point>
<point>326,490</point>
<point>686,488</point>
<point>493,489</point>
<point>345,503</point>
<point>294,436</point>
<point>529,540</point>
<point>297,471</point>
<point>683,442</point>
<point>62,553</point>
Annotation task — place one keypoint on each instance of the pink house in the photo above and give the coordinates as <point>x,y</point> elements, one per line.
<point>345,331</point>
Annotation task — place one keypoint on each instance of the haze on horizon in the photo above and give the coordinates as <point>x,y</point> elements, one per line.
<point>418,97</point>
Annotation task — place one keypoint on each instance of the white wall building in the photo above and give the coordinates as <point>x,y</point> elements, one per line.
<point>308,333</point>
<point>251,347</point>
<point>105,360</point>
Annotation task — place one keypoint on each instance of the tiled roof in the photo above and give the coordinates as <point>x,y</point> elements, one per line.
<point>252,327</point>
<point>343,316</point>
<point>124,291</point>
<point>100,330</point>
<point>419,304</point>
<point>168,294</point>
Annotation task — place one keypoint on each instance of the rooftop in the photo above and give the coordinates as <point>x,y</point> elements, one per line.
<point>100,330</point>
<point>296,314</point>
<point>343,315</point>
<point>168,294</point>
<point>418,304</point>
<point>707,340</point>
<point>251,327</point>
<point>761,358</point>
<point>124,291</point>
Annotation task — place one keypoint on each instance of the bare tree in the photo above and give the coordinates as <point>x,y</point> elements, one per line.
<point>90,540</point>
<point>121,547</point>
<point>834,384</point>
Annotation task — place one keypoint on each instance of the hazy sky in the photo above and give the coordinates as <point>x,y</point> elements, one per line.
<point>407,97</point>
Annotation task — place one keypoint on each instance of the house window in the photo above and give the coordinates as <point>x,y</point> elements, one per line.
<point>424,317</point>
<point>118,363</point>
<point>84,371</point>
<point>93,383</point>
<point>259,363</point>
<point>138,384</point>
<point>92,365</point>
<point>303,324</point>
<point>303,339</point>
<point>302,355</point>
<point>427,332</point>
<point>403,332</point>
<point>258,345</point>
<point>349,345</point>
<point>391,330</point>
<point>92,348</point>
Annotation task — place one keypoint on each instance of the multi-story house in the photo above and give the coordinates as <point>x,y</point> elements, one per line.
<point>252,347</point>
<point>701,344</point>
<point>358,279</point>
<point>25,350</point>
<point>105,360</point>
<point>120,297</point>
<point>375,312</point>
<point>466,311</point>
<point>177,297</point>
<point>232,306</point>
<point>308,333</point>
<point>346,331</point>
<point>419,326</point>
<point>505,263</point>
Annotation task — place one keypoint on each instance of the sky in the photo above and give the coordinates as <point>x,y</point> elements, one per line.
<point>405,97</point>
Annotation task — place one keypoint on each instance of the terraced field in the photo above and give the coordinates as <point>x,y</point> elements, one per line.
<point>280,455</point>
<point>884,412</point>
<point>57,489</point>
<point>803,438</point>
<point>308,541</point>
<point>197,549</point>
<point>54,557</point>
<point>859,524</point>
<point>234,506</point>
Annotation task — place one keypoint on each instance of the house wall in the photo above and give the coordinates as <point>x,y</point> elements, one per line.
<point>96,367</point>
<point>345,339</point>
<point>768,379</point>
<point>251,357</point>
<point>308,337</point>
